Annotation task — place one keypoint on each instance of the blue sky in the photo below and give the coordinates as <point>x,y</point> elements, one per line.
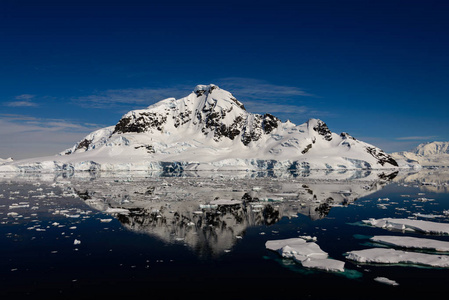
<point>378,70</point>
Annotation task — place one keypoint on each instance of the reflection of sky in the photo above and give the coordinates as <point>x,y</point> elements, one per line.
<point>68,67</point>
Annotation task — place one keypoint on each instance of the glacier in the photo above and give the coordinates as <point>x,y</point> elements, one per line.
<point>210,130</point>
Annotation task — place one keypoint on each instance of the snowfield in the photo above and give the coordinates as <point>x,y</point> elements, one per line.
<point>210,130</point>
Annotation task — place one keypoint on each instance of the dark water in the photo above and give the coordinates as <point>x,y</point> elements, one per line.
<point>62,238</point>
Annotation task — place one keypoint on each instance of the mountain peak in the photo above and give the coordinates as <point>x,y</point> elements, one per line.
<point>320,127</point>
<point>200,89</point>
<point>432,148</point>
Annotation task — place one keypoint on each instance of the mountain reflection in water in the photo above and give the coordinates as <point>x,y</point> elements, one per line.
<point>210,213</point>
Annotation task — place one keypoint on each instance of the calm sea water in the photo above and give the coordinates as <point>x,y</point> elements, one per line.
<point>139,235</point>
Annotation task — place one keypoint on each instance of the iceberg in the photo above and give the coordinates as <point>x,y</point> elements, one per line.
<point>412,242</point>
<point>308,254</point>
<point>392,256</point>
<point>426,227</point>
<point>385,281</point>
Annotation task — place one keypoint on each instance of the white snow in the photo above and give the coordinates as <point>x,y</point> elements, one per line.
<point>181,139</point>
<point>392,256</point>
<point>308,254</point>
<point>5,161</point>
<point>412,242</point>
<point>426,227</point>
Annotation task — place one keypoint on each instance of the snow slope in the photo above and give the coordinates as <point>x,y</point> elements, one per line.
<point>5,161</point>
<point>427,154</point>
<point>211,130</point>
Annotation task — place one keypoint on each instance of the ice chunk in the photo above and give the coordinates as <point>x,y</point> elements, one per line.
<point>225,202</point>
<point>308,254</point>
<point>412,242</point>
<point>427,227</point>
<point>76,242</point>
<point>428,216</point>
<point>391,256</point>
<point>122,211</point>
<point>105,220</point>
<point>385,280</point>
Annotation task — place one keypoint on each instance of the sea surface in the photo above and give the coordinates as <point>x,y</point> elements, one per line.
<point>203,235</point>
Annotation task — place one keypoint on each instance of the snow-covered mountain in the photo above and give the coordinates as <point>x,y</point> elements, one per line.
<point>427,154</point>
<point>211,130</point>
<point>6,160</point>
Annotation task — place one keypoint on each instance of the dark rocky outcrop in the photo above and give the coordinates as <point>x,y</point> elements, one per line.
<point>323,130</point>
<point>382,157</point>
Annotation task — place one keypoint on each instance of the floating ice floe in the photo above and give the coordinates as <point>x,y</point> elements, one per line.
<point>308,254</point>
<point>428,216</point>
<point>385,281</point>
<point>225,202</point>
<point>123,211</point>
<point>412,242</point>
<point>427,227</point>
<point>392,256</point>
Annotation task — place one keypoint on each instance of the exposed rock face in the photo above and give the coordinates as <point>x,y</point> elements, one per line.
<point>323,130</point>
<point>210,114</point>
<point>84,144</point>
<point>140,122</point>
<point>381,156</point>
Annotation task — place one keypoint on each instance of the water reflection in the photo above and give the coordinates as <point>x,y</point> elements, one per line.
<point>209,212</point>
<point>430,180</point>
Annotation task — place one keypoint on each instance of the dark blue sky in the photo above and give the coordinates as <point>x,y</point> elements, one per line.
<point>376,69</point>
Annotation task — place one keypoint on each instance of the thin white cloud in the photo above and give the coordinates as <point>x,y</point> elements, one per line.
<point>268,107</point>
<point>250,88</point>
<point>286,102</point>
<point>25,97</point>
<point>416,138</point>
<point>13,123</point>
<point>130,97</point>
<point>20,104</point>
<point>24,100</point>
<point>25,136</point>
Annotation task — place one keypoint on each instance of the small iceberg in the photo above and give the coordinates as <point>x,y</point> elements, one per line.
<point>122,211</point>
<point>225,202</point>
<point>385,280</point>
<point>308,254</point>
<point>426,227</point>
<point>412,243</point>
<point>392,256</point>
